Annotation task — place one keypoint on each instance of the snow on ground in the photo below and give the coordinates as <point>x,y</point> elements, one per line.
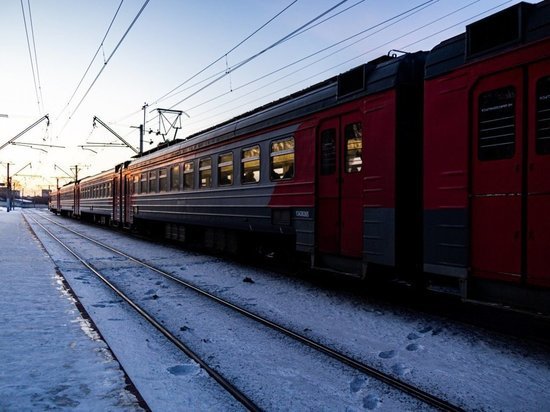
<point>471,367</point>
<point>476,369</point>
<point>50,358</point>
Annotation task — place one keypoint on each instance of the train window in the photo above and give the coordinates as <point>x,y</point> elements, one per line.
<point>153,181</point>
<point>205,172</point>
<point>354,147</point>
<point>250,159</point>
<point>497,124</point>
<point>163,180</point>
<point>188,175</point>
<point>543,116</point>
<point>175,178</point>
<point>135,186</point>
<point>143,183</point>
<point>282,159</point>
<point>225,169</point>
<point>328,152</point>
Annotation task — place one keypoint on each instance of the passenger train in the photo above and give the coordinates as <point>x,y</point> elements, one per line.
<point>431,166</point>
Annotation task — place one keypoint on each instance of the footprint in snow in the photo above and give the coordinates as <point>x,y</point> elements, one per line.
<point>371,402</point>
<point>357,384</point>
<point>413,347</point>
<point>412,336</point>
<point>184,369</point>
<point>387,354</point>
<point>425,329</point>
<point>400,369</point>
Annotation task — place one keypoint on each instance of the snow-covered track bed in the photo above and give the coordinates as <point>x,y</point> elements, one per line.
<point>469,367</point>
<point>297,351</point>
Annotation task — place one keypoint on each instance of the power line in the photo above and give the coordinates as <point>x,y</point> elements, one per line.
<point>354,58</point>
<point>105,64</point>
<point>35,56</point>
<point>225,54</point>
<point>93,59</point>
<point>249,59</point>
<point>396,19</point>
<point>399,17</point>
<point>295,35</point>
<point>30,57</point>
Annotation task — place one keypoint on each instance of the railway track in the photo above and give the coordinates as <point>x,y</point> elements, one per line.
<point>406,388</point>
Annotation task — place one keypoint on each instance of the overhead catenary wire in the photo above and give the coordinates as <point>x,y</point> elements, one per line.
<point>406,13</point>
<point>172,93</point>
<point>351,59</point>
<point>35,57</point>
<point>105,64</point>
<point>392,21</point>
<point>225,54</point>
<point>36,86</point>
<point>253,57</point>
<point>92,61</point>
<point>218,76</point>
<point>169,94</point>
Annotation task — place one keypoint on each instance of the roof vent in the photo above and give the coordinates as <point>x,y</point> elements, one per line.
<point>352,81</point>
<point>499,30</point>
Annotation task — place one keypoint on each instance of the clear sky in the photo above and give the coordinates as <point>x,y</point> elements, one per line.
<point>170,42</point>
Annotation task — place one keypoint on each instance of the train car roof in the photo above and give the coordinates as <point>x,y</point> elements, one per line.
<point>370,78</point>
<point>520,24</point>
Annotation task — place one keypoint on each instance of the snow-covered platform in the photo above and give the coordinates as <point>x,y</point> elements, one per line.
<point>50,356</point>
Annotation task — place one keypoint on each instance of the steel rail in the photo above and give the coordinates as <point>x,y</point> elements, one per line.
<point>368,370</point>
<point>231,389</point>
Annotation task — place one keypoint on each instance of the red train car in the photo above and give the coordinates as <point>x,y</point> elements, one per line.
<point>333,172</point>
<point>487,157</point>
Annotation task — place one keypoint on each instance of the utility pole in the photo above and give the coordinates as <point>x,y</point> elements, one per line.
<point>142,128</point>
<point>8,189</point>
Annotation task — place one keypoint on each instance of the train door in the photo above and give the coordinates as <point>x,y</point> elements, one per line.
<point>497,177</point>
<point>116,200</point>
<point>538,172</point>
<point>328,205</point>
<point>339,210</point>
<point>129,183</point>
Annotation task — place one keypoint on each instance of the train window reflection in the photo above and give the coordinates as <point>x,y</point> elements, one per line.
<point>143,183</point>
<point>188,175</point>
<point>282,159</point>
<point>354,147</point>
<point>205,172</point>
<point>175,177</point>
<point>153,181</point>
<point>163,180</point>
<point>250,165</point>
<point>225,169</point>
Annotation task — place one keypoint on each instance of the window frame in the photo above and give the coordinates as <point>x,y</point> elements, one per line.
<point>348,166</point>
<point>203,169</point>
<point>177,187</point>
<point>273,175</point>
<point>251,159</point>
<point>492,152</point>
<point>187,172</point>
<point>225,164</point>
